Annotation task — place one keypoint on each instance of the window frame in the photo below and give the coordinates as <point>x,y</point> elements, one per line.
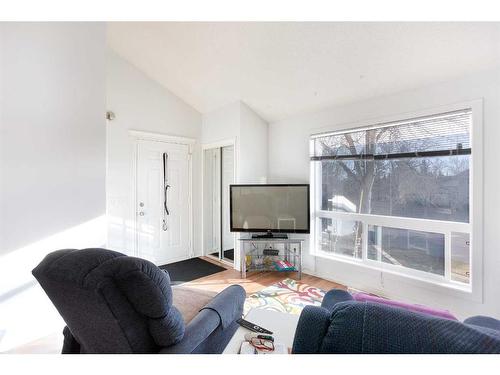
<point>472,290</point>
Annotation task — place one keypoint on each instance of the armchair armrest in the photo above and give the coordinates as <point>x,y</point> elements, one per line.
<point>221,311</point>
<point>335,296</point>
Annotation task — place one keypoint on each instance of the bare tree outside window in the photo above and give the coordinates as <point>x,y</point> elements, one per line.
<point>419,169</point>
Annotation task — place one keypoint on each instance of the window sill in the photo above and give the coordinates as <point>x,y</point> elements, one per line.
<point>434,285</point>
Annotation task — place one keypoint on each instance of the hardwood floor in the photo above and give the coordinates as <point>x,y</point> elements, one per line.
<point>217,282</point>
<point>255,281</point>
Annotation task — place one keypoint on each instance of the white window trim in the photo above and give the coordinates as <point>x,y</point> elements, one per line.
<point>473,290</point>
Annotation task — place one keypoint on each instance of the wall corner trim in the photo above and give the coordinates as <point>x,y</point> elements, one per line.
<point>149,136</point>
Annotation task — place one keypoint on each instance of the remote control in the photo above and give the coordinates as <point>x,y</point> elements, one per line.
<point>252,327</point>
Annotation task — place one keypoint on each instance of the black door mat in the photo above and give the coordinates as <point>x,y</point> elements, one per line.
<point>228,254</point>
<point>191,269</point>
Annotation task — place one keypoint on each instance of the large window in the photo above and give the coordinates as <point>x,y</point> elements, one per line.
<point>397,195</point>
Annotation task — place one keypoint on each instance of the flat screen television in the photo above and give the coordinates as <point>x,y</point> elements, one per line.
<point>275,208</point>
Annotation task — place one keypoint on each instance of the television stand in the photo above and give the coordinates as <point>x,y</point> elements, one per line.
<point>266,254</point>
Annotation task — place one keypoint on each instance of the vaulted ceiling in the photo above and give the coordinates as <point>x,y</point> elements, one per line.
<point>283,69</point>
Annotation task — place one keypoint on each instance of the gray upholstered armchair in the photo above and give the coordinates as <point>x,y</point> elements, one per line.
<point>113,303</point>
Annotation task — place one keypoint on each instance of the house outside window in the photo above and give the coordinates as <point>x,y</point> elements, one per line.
<point>397,196</point>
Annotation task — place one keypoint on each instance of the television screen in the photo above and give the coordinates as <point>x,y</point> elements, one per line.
<point>269,208</point>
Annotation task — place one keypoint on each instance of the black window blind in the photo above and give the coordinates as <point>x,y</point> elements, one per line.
<point>437,135</point>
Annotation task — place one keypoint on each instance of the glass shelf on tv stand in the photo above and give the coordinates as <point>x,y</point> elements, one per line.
<point>251,250</point>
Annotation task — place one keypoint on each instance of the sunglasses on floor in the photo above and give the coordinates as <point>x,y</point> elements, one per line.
<point>262,345</point>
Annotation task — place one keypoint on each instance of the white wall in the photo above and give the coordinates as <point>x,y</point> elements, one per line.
<point>140,103</point>
<point>289,162</point>
<point>221,124</point>
<point>238,122</point>
<point>52,161</point>
<point>253,147</point>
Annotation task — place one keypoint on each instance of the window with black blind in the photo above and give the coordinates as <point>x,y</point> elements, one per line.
<point>396,195</point>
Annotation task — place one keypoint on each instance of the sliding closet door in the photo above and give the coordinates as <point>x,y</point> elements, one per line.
<point>218,174</point>
<point>227,178</point>
<point>211,202</point>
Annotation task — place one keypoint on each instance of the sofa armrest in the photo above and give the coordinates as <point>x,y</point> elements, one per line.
<point>484,321</point>
<point>335,296</point>
<point>311,329</point>
<point>221,311</point>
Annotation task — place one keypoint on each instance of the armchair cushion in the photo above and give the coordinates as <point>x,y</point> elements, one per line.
<point>189,300</point>
<point>147,289</point>
<point>169,329</point>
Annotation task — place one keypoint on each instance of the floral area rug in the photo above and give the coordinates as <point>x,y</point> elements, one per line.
<point>288,296</point>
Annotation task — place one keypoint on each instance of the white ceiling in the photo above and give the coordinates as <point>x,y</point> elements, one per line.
<point>282,69</point>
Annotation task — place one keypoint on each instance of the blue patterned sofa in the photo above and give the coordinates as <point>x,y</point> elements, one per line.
<point>342,325</point>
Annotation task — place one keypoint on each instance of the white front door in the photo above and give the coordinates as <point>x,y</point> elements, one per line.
<point>158,243</point>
